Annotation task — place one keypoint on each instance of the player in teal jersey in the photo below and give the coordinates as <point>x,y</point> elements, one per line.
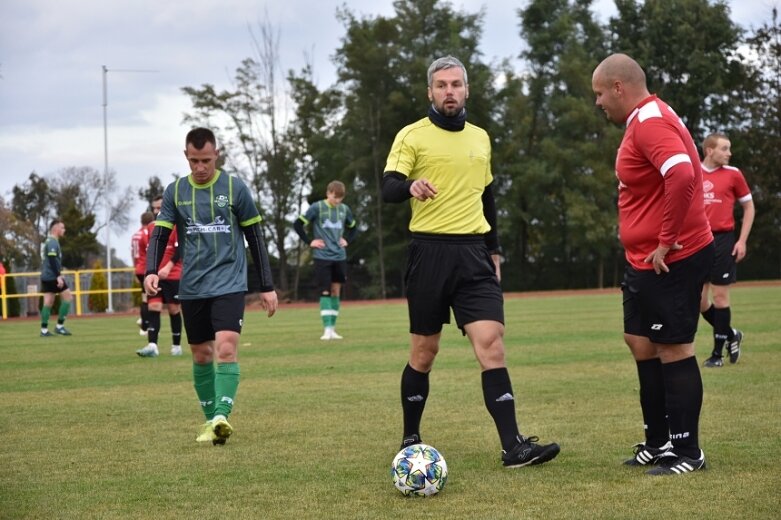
<point>52,281</point>
<point>333,227</point>
<point>214,213</point>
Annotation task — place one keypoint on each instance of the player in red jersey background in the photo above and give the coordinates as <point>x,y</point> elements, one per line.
<point>723,187</point>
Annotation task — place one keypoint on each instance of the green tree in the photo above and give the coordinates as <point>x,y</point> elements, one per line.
<point>755,147</point>
<point>689,50</point>
<point>554,166</point>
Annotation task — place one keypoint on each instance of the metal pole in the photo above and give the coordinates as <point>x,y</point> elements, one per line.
<point>105,181</point>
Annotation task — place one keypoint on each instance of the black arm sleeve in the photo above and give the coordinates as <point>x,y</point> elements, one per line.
<point>298,225</point>
<point>54,265</point>
<point>395,187</point>
<point>154,253</point>
<point>351,234</point>
<point>257,249</point>
<point>489,210</point>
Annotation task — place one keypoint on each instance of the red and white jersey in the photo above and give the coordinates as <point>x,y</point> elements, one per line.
<point>138,251</point>
<point>170,250</point>
<point>721,187</point>
<point>659,186</point>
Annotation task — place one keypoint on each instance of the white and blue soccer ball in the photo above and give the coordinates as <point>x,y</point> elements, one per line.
<point>419,470</point>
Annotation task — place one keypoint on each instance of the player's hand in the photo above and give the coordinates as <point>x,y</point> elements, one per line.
<point>657,257</point>
<point>151,284</point>
<point>269,303</point>
<point>497,266</point>
<point>163,273</point>
<point>739,251</point>
<point>342,242</point>
<point>423,190</point>
<point>60,281</point>
<point>317,243</point>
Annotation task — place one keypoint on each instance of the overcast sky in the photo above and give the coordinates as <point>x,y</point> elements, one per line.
<point>52,51</point>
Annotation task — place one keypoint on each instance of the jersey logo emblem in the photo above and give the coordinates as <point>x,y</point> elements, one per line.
<point>221,201</point>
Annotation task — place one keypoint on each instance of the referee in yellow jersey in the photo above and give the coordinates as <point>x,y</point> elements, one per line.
<point>442,164</point>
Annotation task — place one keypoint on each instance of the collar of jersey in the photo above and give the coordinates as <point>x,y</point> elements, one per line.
<point>195,185</point>
<point>640,105</point>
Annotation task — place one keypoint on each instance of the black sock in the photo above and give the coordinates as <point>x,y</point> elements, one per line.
<point>499,399</point>
<point>144,315</point>
<point>176,328</point>
<point>414,392</point>
<point>708,314</point>
<point>721,329</point>
<point>683,394</point>
<point>154,326</point>
<point>652,402</point>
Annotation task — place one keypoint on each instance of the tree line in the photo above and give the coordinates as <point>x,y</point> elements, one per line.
<point>553,151</point>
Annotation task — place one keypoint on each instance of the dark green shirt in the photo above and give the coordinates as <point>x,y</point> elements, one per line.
<point>329,223</point>
<point>209,219</point>
<point>50,249</point>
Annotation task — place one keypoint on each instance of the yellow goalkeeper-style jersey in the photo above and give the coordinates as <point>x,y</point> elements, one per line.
<point>458,164</point>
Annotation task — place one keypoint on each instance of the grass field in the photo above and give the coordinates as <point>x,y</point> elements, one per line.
<point>90,430</point>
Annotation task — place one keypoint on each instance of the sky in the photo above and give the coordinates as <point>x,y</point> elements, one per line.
<point>51,75</point>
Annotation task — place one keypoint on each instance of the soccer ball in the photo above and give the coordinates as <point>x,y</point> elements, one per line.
<point>419,470</point>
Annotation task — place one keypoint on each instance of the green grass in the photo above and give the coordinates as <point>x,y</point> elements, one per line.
<point>90,430</point>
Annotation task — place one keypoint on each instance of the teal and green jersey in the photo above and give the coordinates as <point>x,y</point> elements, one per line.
<point>209,218</point>
<point>51,259</point>
<point>330,223</point>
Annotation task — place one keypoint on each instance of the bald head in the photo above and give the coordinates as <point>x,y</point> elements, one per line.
<point>619,85</point>
<point>620,67</point>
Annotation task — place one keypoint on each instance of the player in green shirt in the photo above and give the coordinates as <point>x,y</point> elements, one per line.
<point>214,213</point>
<point>333,227</point>
<point>52,281</point>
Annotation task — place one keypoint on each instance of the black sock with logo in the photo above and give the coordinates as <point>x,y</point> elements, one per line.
<point>652,402</point>
<point>683,395</point>
<point>414,392</point>
<point>500,401</point>
<point>721,329</point>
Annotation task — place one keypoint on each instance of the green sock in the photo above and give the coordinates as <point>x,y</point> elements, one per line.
<point>64,308</point>
<point>203,380</point>
<point>45,313</point>
<point>325,310</point>
<point>227,384</point>
<point>335,308</point>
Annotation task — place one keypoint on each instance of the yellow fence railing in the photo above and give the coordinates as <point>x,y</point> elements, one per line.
<point>28,288</point>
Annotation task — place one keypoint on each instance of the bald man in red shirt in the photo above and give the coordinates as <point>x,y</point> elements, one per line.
<point>669,249</point>
<point>723,186</point>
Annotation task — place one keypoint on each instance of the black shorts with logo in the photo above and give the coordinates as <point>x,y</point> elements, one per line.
<point>724,270</point>
<point>206,316</point>
<point>168,293</point>
<point>328,272</point>
<point>450,271</point>
<point>665,307</point>
<point>50,286</point>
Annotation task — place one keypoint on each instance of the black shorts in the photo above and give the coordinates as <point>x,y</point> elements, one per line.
<point>328,272</point>
<point>168,293</point>
<point>445,271</point>
<point>204,317</point>
<point>665,307</point>
<point>50,286</point>
<point>724,270</point>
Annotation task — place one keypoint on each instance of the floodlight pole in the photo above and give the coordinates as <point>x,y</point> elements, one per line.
<point>110,308</point>
<point>105,70</point>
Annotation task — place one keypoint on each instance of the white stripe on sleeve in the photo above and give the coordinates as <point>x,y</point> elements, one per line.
<point>674,160</point>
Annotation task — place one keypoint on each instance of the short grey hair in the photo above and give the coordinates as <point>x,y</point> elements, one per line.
<point>445,62</point>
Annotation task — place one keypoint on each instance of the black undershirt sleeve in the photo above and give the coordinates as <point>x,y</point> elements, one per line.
<point>489,211</point>
<point>257,249</point>
<point>395,187</point>
<point>154,253</point>
<point>298,225</point>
